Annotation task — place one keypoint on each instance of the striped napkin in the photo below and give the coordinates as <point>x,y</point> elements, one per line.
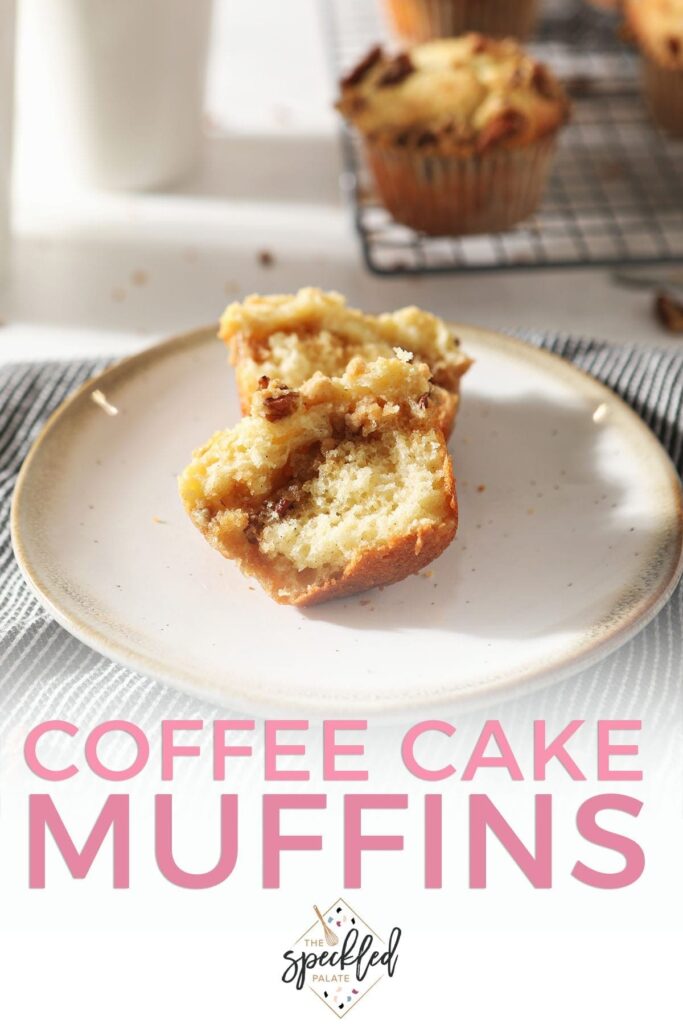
<point>46,673</point>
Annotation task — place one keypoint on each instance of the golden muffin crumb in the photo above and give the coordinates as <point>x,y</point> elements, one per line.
<point>454,96</point>
<point>291,337</point>
<point>335,487</point>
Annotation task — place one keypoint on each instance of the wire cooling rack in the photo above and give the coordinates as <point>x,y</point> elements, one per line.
<point>616,193</point>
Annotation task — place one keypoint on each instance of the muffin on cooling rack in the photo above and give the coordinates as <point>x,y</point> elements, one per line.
<point>417,21</point>
<point>657,27</point>
<point>459,134</point>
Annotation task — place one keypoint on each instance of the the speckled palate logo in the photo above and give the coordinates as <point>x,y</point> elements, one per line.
<point>340,957</point>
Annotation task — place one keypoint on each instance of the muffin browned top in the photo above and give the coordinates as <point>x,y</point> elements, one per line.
<point>460,95</point>
<point>657,26</point>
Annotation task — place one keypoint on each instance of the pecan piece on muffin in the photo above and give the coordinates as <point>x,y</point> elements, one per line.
<point>351,489</point>
<point>459,134</point>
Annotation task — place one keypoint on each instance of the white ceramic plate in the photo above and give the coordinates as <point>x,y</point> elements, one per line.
<point>569,542</point>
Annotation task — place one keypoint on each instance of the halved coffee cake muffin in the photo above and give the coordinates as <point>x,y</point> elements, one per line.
<point>290,337</point>
<point>341,485</point>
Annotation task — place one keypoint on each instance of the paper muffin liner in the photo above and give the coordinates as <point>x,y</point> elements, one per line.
<point>416,21</point>
<point>455,195</point>
<point>664,94</point>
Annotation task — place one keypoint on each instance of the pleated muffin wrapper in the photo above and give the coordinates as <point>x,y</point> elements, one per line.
<point>461,195</point>
<point>416,21</point>
<point>664,94</point>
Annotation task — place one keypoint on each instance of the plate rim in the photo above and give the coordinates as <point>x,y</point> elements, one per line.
<point>535,678</point>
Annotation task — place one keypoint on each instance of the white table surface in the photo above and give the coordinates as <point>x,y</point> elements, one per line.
<point>269,180</point>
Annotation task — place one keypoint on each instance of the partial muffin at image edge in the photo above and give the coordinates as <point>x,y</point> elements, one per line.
<point>290,337</point>
<point>342,485</point>
<point>417,21</point>
<point>459,134</point>
<point>656,26</point>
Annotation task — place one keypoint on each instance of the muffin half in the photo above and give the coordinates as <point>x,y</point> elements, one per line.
<point>342,485</point>
<point>290,337</point>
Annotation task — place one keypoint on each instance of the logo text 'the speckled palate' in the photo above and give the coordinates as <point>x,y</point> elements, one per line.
<point>340,958</point>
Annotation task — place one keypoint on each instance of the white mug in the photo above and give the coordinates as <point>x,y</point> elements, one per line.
<point>127,81</point>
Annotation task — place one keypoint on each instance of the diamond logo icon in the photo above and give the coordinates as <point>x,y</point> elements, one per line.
<point>340,958</point>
